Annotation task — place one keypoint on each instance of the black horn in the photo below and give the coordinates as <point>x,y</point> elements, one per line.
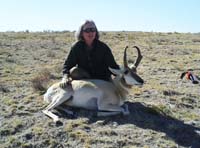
<point>125,58</point>
<point>139,58</point>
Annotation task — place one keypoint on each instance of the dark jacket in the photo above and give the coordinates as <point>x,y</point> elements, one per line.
<point>95,61</point>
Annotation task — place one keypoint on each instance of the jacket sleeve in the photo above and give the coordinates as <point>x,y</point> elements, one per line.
<point>70,61</point>
<point>110,59</point>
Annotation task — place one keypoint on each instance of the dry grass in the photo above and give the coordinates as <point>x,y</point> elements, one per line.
<point>40,81</point>
<point>165,112</point>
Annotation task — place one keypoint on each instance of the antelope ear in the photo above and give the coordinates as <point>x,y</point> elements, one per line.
<point>115,71</point>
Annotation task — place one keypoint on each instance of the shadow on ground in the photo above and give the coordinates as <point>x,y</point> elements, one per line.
<point>148,118</point>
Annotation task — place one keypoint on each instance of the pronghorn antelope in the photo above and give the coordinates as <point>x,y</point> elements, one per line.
<point>106,97</point>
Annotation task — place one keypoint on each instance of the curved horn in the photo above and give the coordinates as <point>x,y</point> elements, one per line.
<point>139,58</point>
<point>125,58</point>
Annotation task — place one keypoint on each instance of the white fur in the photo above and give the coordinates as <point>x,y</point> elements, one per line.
<point>91,94</point>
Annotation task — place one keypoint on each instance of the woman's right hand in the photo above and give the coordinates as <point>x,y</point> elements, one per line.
<point>65,81</point>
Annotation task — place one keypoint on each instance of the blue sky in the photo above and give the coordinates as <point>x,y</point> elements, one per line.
<point>109,15</point>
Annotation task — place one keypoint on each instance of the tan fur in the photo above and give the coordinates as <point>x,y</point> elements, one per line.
<point>90,94</point>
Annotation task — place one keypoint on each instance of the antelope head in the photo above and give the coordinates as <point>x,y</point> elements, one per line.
<point>129,75</point>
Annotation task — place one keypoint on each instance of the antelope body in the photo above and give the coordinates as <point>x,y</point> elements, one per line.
<point>96,94</point>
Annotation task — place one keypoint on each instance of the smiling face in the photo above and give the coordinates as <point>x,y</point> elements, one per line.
<point>89,33</point>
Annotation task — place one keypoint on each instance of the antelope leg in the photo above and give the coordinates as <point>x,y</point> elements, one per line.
<point>110,107</point>
<point>65,110</point>
<point>103,114</point>
<point>50,114</point>
<point>57,101</point>
<point>109,110</point>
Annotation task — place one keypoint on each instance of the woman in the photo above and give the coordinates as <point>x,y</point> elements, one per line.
<point>90,55</point>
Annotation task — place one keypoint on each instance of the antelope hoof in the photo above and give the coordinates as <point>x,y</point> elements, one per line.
<point>58,123</point>
<point>126,111</point>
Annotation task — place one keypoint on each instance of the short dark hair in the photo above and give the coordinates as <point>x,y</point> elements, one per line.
<point>79,32</point>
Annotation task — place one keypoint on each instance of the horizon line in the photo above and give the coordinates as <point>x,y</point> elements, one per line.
<point>51,30</point>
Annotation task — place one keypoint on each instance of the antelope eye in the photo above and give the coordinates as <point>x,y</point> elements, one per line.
<point>126,72</point>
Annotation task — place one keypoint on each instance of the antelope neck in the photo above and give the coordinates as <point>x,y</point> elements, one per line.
<point>122,90</point>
